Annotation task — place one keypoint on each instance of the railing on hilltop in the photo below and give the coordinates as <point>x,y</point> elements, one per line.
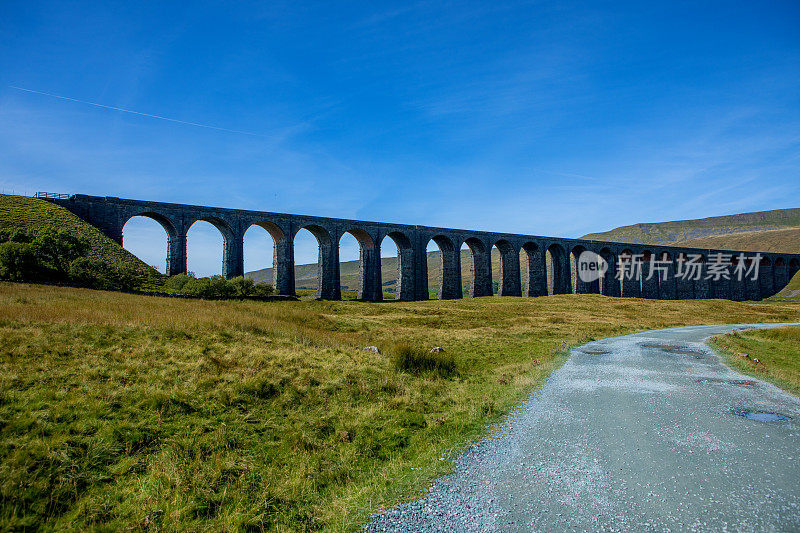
<point>51,195</point>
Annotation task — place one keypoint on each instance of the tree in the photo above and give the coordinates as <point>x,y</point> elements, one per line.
<point>18,261</point>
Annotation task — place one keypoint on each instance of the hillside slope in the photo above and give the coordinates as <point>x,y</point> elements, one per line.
<point>682,231</point>
<point>33,213</point>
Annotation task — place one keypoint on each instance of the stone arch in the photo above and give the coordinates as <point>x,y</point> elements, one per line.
<point>450,277</point>
<point>649,284</point>
<point>702,289</point>
<point>630,274</point>
<point>534,275</point>
<point>279,242</point>
<point>684,286</point>
<point>557,269</point>
<point>369,282</point>
<point>509,279</point>
<point>609,285</point>
<point>327,262</point>
<point>231,250</point>
<point>176,255</point>
<point>577,285</point>
<point>665,276</point>
<point>780,274</point>
<point>404,286</point>
<point>481,284</point>
<point>766,283</point>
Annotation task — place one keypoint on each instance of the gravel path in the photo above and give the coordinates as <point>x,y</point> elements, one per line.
<point>645,432</point>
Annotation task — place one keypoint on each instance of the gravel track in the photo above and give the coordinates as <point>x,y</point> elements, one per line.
<point>643,432</point>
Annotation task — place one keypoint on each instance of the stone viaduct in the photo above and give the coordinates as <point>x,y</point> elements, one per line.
<point>551,264</point>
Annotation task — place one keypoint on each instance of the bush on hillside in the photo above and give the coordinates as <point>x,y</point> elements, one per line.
<point>58,248</point>
<point>51,255</point>
<point>177,282</point>
<point>18,261</point>
<point>96,274</point>
<point>242,286</point>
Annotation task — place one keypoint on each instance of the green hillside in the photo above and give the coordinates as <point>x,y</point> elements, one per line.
<point>681,231</point>
<point>32,213</point>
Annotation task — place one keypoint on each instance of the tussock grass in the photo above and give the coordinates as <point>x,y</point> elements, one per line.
<point>408,358</point>
<point>777,350</point>
<point>130,412</point>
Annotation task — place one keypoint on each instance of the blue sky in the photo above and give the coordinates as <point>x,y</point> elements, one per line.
<point>557,118</point>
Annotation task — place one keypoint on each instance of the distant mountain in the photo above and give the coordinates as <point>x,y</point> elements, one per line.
<point>695,231</point>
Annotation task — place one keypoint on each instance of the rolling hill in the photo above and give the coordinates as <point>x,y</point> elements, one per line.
<point>746,228</point>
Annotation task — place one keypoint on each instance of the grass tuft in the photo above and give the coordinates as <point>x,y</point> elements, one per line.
<point>414,360</point>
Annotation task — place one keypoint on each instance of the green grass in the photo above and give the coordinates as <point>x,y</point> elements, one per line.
<point>33,213</point>
<point>125,412</point>
<point>777,350</point>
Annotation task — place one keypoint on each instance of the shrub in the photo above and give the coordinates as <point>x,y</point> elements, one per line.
<point>242,286</point>
<point>18,261</point>
<point>413,360</point>
<point>96,274</point>
<point>178,282</point>
<point>59,248</point>
<point>262,291</point>
<point>213,288</point>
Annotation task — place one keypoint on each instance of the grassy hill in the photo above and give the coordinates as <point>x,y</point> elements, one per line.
<point>31,213</point>
<point>685,231</point>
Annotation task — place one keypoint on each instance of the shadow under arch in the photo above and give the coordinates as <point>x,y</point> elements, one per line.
<point>450,277</point>
<point>609,285</point>
<point>404,286</point>
<point>533,271</point>
<point>665,276</point>
<point>649,282</point>
<point>557,270</point>
<point>577,284</point>
<point>481,270</point>
<point>629,274</point>
<point>780,274</point>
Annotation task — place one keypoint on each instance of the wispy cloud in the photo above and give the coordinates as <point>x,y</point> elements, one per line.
<point>113,108</point>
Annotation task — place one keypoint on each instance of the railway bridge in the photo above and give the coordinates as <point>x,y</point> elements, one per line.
<point>552,262</point>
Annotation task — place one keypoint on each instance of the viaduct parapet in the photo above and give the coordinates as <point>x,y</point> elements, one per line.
<point>551,261</point>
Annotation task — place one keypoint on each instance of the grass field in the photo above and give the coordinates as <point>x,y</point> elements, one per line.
<point>130,412</point>
<point>777,351</point>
